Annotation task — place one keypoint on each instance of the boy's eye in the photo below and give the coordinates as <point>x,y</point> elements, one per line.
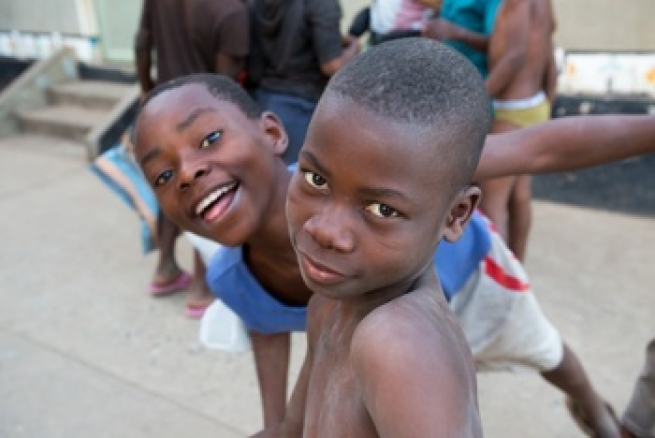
<point>163,177</point>
<point>315,180</point>
<point>382,210</point>
<point>210,139</point>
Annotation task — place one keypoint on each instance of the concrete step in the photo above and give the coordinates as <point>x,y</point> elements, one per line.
<point>92,94</point>
<point>66,121</point>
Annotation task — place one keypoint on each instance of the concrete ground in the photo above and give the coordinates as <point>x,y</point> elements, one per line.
<point>85,351</point>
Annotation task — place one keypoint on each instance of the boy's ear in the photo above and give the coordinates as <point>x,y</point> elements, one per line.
<point>274,131</point>
<point>461,210</point>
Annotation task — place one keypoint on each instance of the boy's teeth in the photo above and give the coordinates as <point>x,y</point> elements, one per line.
<point>211,198</point>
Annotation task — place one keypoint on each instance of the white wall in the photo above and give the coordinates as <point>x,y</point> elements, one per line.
<point>39,16</point>
<point>605,24</point>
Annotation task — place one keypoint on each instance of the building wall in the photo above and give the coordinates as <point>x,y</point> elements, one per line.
<point>605,24</point>
<point>40,16</point>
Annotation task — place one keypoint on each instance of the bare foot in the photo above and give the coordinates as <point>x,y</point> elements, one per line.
<point>167,271</point>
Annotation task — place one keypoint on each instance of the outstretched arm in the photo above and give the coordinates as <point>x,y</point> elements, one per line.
<point>271,354</point>
<point>293,423</point>
<point>294,418</point>
<point>566,144</point>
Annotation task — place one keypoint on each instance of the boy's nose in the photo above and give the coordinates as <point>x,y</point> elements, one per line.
<point>330,229</point>
<point>191,174</point>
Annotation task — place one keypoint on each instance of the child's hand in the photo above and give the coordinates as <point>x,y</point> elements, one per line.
<point>439,29</point>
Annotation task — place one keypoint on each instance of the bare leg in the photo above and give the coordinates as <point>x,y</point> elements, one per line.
<point>167,268</point>
<point>272,363</point>
<point>496,193</point>
<point>520,216</point>
<point>199,296</point>
<point>495,203</point>
<point>570,377</point>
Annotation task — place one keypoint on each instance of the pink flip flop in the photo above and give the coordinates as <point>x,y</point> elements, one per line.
<point>196,311</point>
<point>182,282</point>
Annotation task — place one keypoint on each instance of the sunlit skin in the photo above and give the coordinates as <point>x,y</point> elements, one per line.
<point>366,209</point>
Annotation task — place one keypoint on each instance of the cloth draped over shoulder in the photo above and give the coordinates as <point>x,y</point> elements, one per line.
<point>118,170</point>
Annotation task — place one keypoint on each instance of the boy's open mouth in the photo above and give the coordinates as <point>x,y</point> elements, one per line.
<point>211,206</point>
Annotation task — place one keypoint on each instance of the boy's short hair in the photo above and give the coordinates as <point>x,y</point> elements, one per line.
<point>423,82</point>
<point>220,86</point>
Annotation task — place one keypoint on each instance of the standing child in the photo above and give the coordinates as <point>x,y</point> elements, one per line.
<point>522,83</point>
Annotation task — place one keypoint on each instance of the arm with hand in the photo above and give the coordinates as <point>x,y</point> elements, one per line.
<point>293,423</point>
<point>566,144</point>
<point>271,354</point>
<point>294,418</point>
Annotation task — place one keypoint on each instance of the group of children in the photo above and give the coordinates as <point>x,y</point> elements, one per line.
<point>372,243</point>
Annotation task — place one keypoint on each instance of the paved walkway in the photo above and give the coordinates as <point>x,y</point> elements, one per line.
<point>85,352</point>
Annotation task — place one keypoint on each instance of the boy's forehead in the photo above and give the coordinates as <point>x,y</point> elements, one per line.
<point>176,105</point>
<point>393,136</point>
<point>417,152</point>
<point>178,99</point>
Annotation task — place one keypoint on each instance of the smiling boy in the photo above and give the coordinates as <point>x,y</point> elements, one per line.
<point>214,161</point>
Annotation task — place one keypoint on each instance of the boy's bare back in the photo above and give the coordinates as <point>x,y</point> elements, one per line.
<point>522,26</point>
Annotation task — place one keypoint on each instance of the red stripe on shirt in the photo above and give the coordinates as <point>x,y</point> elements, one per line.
<point>496,273</point>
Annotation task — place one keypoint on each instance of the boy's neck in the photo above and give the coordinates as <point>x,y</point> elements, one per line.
<point>273,235</point>
<point>269,253</point>
<point>362,305</point>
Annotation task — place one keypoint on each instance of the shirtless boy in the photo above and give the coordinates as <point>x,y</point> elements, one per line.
<point>202,132</point>
<point>383,177</point>
<point>522,83</point>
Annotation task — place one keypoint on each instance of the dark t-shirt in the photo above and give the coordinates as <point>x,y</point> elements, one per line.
<point>187,34</point>
<point>295,42</point>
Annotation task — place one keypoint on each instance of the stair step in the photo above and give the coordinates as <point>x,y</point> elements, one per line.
<point>64,121</point>
<point>89,93</point>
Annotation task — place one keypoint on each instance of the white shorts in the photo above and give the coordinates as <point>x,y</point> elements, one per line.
<point>501,318</point>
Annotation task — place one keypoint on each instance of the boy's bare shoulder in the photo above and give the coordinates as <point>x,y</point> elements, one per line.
<point>409,355</point>
<point>408,326</point>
